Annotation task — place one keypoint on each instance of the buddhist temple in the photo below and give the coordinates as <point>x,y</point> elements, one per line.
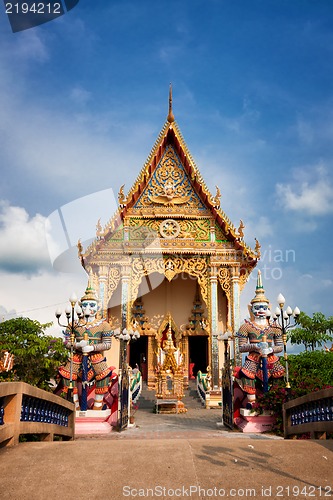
<point>171,263</point>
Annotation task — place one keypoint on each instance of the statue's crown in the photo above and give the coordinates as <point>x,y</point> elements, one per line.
<point>90,293</point>
<point>260,292</point>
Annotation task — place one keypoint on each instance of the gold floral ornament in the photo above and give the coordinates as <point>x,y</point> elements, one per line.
<point>121,196</point>
<point>80,252</point>
<point>169,270</point>
<point>99,230</point>
<point>79,248</point>
<point>217,198</point>
<point>169,229</point>
<point>257,249</point>
<point>169,186</point>
<point>169,196</point>
<point>240,229</point>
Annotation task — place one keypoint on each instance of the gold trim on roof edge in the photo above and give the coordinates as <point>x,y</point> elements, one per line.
<point>144,176</point>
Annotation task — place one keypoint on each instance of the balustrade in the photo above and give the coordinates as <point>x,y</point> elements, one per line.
<point>312,413</point>
<point>25,409</point>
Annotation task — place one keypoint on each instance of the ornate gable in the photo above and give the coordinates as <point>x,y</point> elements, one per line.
<point>169,182</point>
<point>171,204</point>
<point>169,189</point>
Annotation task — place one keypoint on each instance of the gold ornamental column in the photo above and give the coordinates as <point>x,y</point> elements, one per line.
<point>235,309</point>
<point>125,281</point>
<point>124,396</point>
<point>214,356</point>
<point>235,319</point>
<point>151,377</point>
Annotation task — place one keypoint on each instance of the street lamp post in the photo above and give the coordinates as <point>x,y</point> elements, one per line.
<point>227,392</point>
<point>125,336</point>
<point>74,316</point>
<point>282,317</point>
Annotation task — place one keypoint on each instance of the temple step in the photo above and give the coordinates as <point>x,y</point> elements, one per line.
<point>191,398</point>
<point>147,398</point>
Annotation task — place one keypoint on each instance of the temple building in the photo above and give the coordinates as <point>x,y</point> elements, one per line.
<point>170,260</point>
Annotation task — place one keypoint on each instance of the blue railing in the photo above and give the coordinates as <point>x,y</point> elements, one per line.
<point>25,409</point>
<point>312,414</point>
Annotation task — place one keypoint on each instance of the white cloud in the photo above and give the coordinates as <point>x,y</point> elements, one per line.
<point>80,95</point>
<point>22,240</point>
<point>26,47</point>
<point>313,196</point>
<point>305,131</point>
<point>259,228</point>
<point>73,222</point>
<point>53,152</point>
<point>38,297</point>
<point>54,145</point>
<point>29,245</point>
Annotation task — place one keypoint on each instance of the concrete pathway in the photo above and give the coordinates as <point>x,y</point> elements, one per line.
<point>168,456</point>
<point>198,468</point>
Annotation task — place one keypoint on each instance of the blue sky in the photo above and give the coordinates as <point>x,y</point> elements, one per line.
<point>83,98</point>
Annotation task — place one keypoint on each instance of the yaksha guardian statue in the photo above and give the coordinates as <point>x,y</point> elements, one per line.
<point>91,339</point>
<point>262,341</point>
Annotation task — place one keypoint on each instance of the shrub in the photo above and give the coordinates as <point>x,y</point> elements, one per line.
<point>308,372</point>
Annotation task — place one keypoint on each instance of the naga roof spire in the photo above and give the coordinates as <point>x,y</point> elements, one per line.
<point>170,117</point>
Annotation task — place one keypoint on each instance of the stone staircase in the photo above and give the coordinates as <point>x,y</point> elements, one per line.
<point>146,400</point>
<point>191,399</point>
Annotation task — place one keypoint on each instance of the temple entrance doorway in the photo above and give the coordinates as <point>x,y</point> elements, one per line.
<point>198,354</point>
<point>138,355</point>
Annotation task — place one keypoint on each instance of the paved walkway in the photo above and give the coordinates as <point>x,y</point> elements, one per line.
<point>168,457</point>
<point>197,468</point>
<point>196,423</point>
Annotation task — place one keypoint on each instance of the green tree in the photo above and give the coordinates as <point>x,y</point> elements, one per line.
<point>312,332</point>
<point>315,366</point>
<point>36,354</point>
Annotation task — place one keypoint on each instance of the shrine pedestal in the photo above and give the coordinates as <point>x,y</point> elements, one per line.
<point>93,422</point>
<point>214,399</point>
<point>252,422</point>
<point>166,405</point>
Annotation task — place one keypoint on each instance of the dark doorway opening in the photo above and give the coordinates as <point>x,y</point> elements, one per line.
<point>138,355</point>
<point>198,350</point>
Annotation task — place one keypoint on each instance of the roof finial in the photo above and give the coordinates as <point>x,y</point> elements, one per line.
<point>171,117</point>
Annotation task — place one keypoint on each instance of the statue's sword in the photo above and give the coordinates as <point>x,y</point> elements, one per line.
<point>264,366</point>
<point>84,396</point>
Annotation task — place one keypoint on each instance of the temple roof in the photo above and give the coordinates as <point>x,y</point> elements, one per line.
<point>170,135</point>
<point>170,185</point>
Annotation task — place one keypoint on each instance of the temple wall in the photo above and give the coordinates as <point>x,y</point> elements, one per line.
<point>112,356</point>
<point>175,297</point>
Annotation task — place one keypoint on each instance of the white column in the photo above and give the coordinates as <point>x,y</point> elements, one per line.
<point>212,231</point>
<point>125,293</point>
<point>102,280</point>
